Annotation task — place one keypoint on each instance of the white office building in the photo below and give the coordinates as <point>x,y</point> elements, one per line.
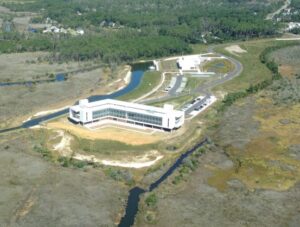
<point>190,63</point>
<point>131,114</point>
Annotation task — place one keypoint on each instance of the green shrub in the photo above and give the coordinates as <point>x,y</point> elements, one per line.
<point>151,200</point>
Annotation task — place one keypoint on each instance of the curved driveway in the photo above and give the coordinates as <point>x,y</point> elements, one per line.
<point>206,87</point>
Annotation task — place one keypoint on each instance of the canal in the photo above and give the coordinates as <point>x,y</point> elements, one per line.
<point>137,74</point>
<point>135,193</point>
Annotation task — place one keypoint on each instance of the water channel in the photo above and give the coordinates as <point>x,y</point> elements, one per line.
<point>60,77</point>
<point>135,193</point>
<point>137,74</point>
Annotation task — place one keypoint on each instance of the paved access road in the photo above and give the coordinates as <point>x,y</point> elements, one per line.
<point>206,87</point>
<point>173,90</point>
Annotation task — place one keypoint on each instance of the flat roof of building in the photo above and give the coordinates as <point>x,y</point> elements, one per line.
<point>140,107</point>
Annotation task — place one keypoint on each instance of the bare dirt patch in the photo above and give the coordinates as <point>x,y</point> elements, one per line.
<point>235,49</point>
<point>287,70</point>
<point>63,147</point>
<point>121,134</point>
<point>137,162</point>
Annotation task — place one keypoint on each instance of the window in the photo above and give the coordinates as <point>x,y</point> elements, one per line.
<point>111,112</point>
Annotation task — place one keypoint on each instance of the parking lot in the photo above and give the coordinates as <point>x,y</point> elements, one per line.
<point>198,104</point>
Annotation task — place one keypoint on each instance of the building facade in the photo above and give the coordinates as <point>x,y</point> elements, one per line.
<point>165,118</point>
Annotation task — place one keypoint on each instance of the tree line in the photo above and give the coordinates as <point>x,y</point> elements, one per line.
<point>145,29</point>
<point>232,97</point>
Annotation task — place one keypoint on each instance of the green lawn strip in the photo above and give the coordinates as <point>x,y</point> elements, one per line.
<point>108,146</point>
<point>150,80</point>
<point>169,65</point>
<point>254,71</point>
<point>194,82</point>
<point>213,66</point>
<point>177,101</point>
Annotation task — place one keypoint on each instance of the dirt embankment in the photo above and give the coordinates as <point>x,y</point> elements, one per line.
<point>63,147</point>
<point>235,50</point>
<point>109,132</point>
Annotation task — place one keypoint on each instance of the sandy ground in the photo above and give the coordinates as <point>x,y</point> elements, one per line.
<point>288,39</point>
<point>127,77</point>
<point>287,70</point>
<point>137,162</point>
<point>63,147</point>
<point>125,135</point>
<point>235,49</point>
<point>156,63</point>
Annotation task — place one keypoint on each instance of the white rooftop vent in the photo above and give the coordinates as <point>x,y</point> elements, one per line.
<point>83,102</point>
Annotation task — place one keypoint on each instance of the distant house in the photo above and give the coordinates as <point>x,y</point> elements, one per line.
<point>80,31</point>
<point>103,23</point>
<point>51,29</point>
<point>293,25</point>
<point>54,29</point>
<point>110,24</point>
<point>64,31</point>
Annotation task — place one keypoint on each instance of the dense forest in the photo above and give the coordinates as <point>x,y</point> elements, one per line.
<point>124,30</point>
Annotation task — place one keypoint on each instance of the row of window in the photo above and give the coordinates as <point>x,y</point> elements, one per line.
<point>127,115</point>
<point>75,114</point>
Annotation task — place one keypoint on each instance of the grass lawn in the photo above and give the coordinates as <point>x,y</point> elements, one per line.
<point>254,71</point>
<point>169,65</point>
<point>177,101</point>
<point>193,83</point>
<point>109,146</point>
<point>218,66</point>
<point>199,48</point>
<point>149,81</point>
